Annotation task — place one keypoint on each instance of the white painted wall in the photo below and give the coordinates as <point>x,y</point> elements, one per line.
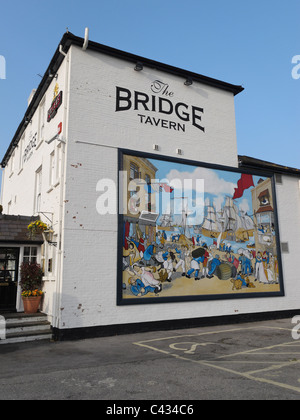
<point>93,118</point>
<point>19,183</point>
<point>19,177</point>
<point>95,133</point>
<point>84,289</point>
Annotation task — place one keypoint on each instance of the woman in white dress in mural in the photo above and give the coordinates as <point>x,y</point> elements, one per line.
<point>260,270</point>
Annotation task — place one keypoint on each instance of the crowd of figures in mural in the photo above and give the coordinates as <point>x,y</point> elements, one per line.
<point>228,247</point>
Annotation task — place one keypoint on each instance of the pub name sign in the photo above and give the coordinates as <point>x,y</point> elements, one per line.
<point>162,102</point>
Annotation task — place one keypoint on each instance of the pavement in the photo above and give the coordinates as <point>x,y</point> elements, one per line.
<point>253,361</point>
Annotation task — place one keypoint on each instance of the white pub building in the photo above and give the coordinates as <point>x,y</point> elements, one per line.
<point>102,118</point>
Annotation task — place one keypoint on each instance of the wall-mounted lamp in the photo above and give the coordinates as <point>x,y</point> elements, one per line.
<point>188,82</point>
<point>52,75</point>
<point>56,137</point>
<point>139,66</point>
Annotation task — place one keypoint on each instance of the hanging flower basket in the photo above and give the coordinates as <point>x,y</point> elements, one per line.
<point>36,228</point>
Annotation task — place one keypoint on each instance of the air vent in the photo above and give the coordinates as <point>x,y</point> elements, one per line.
<point>285,247</point>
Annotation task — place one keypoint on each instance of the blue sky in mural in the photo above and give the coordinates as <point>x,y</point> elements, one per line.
<point>245,43</point>
<point>201,193</point>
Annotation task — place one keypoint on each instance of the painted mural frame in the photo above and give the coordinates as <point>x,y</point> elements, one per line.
<point>176,251</point>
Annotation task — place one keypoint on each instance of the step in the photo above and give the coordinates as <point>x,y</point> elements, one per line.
<point>20,327</point>
<point>21,318</point>
<point>27,326</point>
<point>22,339</point>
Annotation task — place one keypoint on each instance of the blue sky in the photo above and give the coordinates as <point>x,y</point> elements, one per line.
<point>250,43</point>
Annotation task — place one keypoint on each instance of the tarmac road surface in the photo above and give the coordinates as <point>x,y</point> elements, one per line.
<point>253,361</point>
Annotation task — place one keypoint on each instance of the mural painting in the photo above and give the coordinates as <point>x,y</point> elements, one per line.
<point>194,232</point>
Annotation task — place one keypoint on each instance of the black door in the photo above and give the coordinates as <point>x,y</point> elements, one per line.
<point>9,263</point>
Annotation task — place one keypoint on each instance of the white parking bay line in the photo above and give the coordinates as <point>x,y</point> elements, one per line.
<point>219,361</point>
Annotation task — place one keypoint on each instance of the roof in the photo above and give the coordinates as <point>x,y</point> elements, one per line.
<point>264,209</point>
<point>253,163</point>
<point>69,39</point>
<point>264,193</point>
<point>13,229</point>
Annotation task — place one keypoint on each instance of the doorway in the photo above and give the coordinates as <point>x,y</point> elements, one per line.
<point>9,267</point>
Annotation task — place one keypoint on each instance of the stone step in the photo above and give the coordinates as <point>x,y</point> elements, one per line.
<point>24,319</point>
<point>21,317</point>
<point>14,328</point>
<point>28,337</point>
<point>20,327</point>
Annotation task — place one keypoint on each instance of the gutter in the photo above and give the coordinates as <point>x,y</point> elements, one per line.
<point>80,42</point>
<point>248,162</point>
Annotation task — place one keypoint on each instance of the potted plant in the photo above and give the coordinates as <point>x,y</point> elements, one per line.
<point>31,282</point>
<point>36,227</point>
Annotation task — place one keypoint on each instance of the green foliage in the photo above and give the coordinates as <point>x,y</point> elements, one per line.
<point>31,276</point>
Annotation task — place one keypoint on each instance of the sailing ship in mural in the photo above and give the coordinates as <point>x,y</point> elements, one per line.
<point>228,223</point>
<point>210,226</point>
<point>224,244</point>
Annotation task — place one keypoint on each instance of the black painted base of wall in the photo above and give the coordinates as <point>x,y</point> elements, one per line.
<point>111,330</point>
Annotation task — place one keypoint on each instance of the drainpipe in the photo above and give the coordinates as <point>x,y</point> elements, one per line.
<point>86,39</point>
<point>61,50</point>
<point>60,236</point>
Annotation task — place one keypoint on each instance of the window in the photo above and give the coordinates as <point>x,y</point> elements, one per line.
<point>55,167</point>
<point>264,198</point>
<point>52,169</point>
<point>8,265</point>
<point>12,163</point>
<point>50,265</point>
<point>38,190</point>
<point>30,254</point>
<point>148,182</point>
<point>134,171</point>
<point>21,145</point>
<point>58,162</point>
<point>42,121</point>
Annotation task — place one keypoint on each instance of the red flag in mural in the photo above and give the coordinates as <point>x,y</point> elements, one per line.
<point>243,184</point>
<point>166,187</point>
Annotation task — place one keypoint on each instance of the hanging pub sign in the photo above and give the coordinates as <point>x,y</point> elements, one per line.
<point>194,231</point>
<point>56,103</point>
